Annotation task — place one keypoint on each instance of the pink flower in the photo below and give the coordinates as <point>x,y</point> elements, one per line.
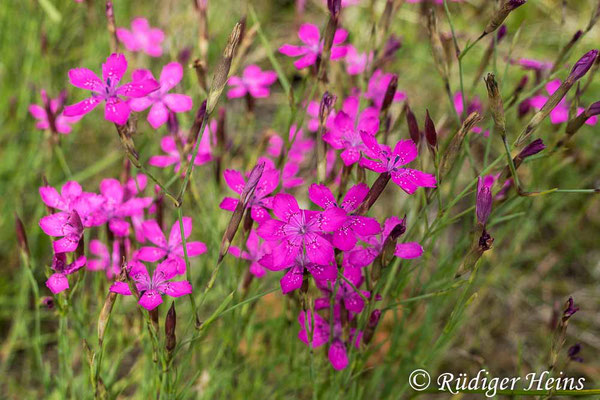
<point>161,101</point>
<point>116,110</point>
<point>344,132</point>
<point>357,62</point>
<point>142,37</point>
<point>254,82</point>
<point>152,289</point>
<point>310,36</point>
<point>57,282</point>
<point>560,113</point>
<point>173,157</point>
<point>66,225</point>
<point>292,280</point>
<point>116,207</point>
<point>255,250</point>
<point>61,122</point>
<point>172,249</point>
<point>474,105</point>
<point>364,256</point>
<point>298,231</point>
<point>261,201</point>
<point>390,161</point>
<point>73,198</point>
<point>109,262</point>
<point>377,87</point>
<point>536,65</point>
<point>345,295</point>
<point>344,238</point>
<point>299,149</point>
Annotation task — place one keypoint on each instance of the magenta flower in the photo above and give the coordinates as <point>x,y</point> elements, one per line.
<point>61,122</point>
<point>345,295</point>
<point>298,231</point>
<point>483,204</point>
<point>313,45</point>
<point>161,101</point>
<point>364,256</point>
<point>560,113</point>
<point>142,37</point>
<point>254,82</point>
<point>312,110</point>
<point>107,89</point>
<point>73,198</point>
<point>474,105</point>
<point>109,262</point>
<point>152,289</point>
<point>356,62</point>
<point>116,208</point>
<point>337,354</point>
<point>168,144</point>
<point>66,225</point>
<point>535,65</point>
<point>392,162</point>
<point>261,201</point>
<point>58,281</point>
<point>377,88</point>
<point>299,149</point>
<point>345,133</point>
<point>255,250</point>
<point>292,280</point>
<point>344,238</point>
<point>172,249</point>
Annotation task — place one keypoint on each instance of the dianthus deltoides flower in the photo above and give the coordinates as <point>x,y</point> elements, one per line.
<point>152,288</point>
<point>40,113</point>
<point>108,90</point>
<point>313,46</point>
<point>298,231</point>
<point>67,226</point>
<point>142,37</point>
<point>253,81</point>
<point>57,282</point>
<point>392,162</point>
<point>161,101</point>
<point>172,249</point>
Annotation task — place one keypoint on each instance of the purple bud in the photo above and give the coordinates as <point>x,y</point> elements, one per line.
<point>335,7</point>
<point>524,108</point>
<point>430,132</point>
<point>390,92</point>
<point>374,318</point>
<point>170,324</point>
<point>501,33</point>
<point>513,4</point>
<point>523,83</point>
<point>413,126</point>
<point>483,204</point>
<point>172,124</point>
<point>574,351</point>
<point>48,302</point>
<point>21,235</point>
<point>391,47</point>
<point>593,109</point>
<point>532,148</point>
<point>184,55</point>
<point>327,102</point>
<point>582,66</point>
<point>577,36</point>
<point>570,309</point>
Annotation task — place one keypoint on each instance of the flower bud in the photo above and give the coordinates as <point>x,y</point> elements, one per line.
<point>21,235</point>
<point>48,302</point>
<point>334,6</point>
<point>170,324</point>
<point>583,65</point>
<point>413,126</point>
<point>430,132</point>
<point>327,102</point>
<point>496,106</point>
<point>390,93</point>
<point>483,205</point>
<point>573,353</point>
<point>531,149</point>
<point>569,309</point>
<point>500,15</point>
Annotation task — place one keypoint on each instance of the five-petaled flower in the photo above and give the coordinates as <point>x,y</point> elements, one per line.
<point>254,82</point>
<point>173,248</point>
<point>62,123</point>
<point>107,89</point>
<point>116,207</point>
<point>392,162</point>
<point>67,226</point>
<point>152,289</point>
<point>298,231</point>
<point>142,37</point>
<point>313,46</point>
<point>58,281</point>
<point>161,101</point>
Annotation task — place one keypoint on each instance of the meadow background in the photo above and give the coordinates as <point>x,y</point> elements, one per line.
<point>545,248</point>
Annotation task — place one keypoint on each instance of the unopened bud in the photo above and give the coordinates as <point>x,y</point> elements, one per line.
<point>583,65</point>
<point>500,15</point>
<point>483,205</point>
<point>21,235</point>
<point>430,132</point>
<point>413,126</point>
<point>334,6</point>
<point>170,324</point>
<point>327,103</point>
<point>390,93</point>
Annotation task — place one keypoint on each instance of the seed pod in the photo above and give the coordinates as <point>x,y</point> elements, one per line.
<point>437,48</point>
<point>222,72</point>
<point>430,132</point>
<point>496,106</point>
<point>500,15</point>
<point>170,324</point>
<point>413,126</point>
<point>453,149</point>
